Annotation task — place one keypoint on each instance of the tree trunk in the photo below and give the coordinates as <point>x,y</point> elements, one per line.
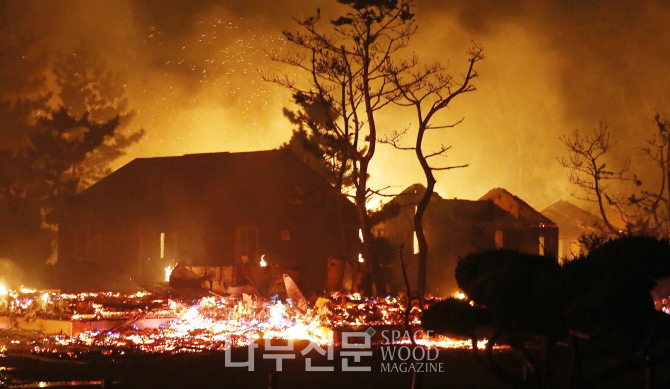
<point>421,236</point>
<point>369,254</point>
<point>361,190</point>
<point>599,196</point>
<point>344,247</point>
<point>420,211</point>
<point>667,181</point>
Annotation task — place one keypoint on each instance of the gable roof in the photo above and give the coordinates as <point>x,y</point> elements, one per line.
<point>572,220</point>
<point>507,210</point>
<point>519,209</point>
<point>192,181</point>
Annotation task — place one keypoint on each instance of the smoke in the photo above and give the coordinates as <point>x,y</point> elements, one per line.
<point>562,65</point>
<point>613,56</point>
<point>11,275</point>
<point>191,72</point>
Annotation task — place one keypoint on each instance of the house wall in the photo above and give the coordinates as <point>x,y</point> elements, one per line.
<point>451,238</point>
<point>528,240</point>
<point>447,245</point>
<point>96,257</point>
<point>300,240</point>
<point>294,211</point>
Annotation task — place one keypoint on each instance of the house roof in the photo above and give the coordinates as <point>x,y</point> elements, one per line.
<point>498,206</point>
<point>190,182</point>
<point>519,209</point>
<point>572,220</point>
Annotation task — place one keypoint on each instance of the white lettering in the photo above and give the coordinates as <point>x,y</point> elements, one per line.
<point>423,353</point>
<point>386,339</point>
<point>388,352</point>
<point>395,335</point>
<point>249,364</point>
<point>278,359</point>
<point>406,337</point>
<point>409,353</point>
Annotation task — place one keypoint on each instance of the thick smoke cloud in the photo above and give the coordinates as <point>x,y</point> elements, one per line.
<point>613,55</point>
<point>565,65</point>
<point>551,66</point>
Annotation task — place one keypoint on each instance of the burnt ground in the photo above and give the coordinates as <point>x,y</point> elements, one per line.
<point>208,370</point>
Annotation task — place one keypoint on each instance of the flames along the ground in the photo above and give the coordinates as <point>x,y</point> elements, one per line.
<point>208,323</point>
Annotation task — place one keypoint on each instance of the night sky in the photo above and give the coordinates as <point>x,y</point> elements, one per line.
<point>191,71</point>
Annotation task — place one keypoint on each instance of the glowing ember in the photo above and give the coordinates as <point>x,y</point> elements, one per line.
<point>360,258</point>
<point>168,272</point>
<point>444,342</point>
<point>263,263</point>
<point>210,323</point>
<point>663,305</point>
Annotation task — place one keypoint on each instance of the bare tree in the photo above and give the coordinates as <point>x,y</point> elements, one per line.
<point>346,68</point>
<point>646,212</point>
<point>654,206</point>
<point>590,176</point>
<point>428,90</point>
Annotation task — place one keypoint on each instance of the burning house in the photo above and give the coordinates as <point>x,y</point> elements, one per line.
<point>572,222</point>
<point>215,209</point>
<point>455,228</point>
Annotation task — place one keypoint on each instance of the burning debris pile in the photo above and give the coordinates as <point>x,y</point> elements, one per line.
<point>51,304</point>
<point>212,323</point>
<point>354,310</point>
<point>663,305</point>
<point>48,322</point>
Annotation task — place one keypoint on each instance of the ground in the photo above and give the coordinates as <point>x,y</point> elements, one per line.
<point>208,370</point>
